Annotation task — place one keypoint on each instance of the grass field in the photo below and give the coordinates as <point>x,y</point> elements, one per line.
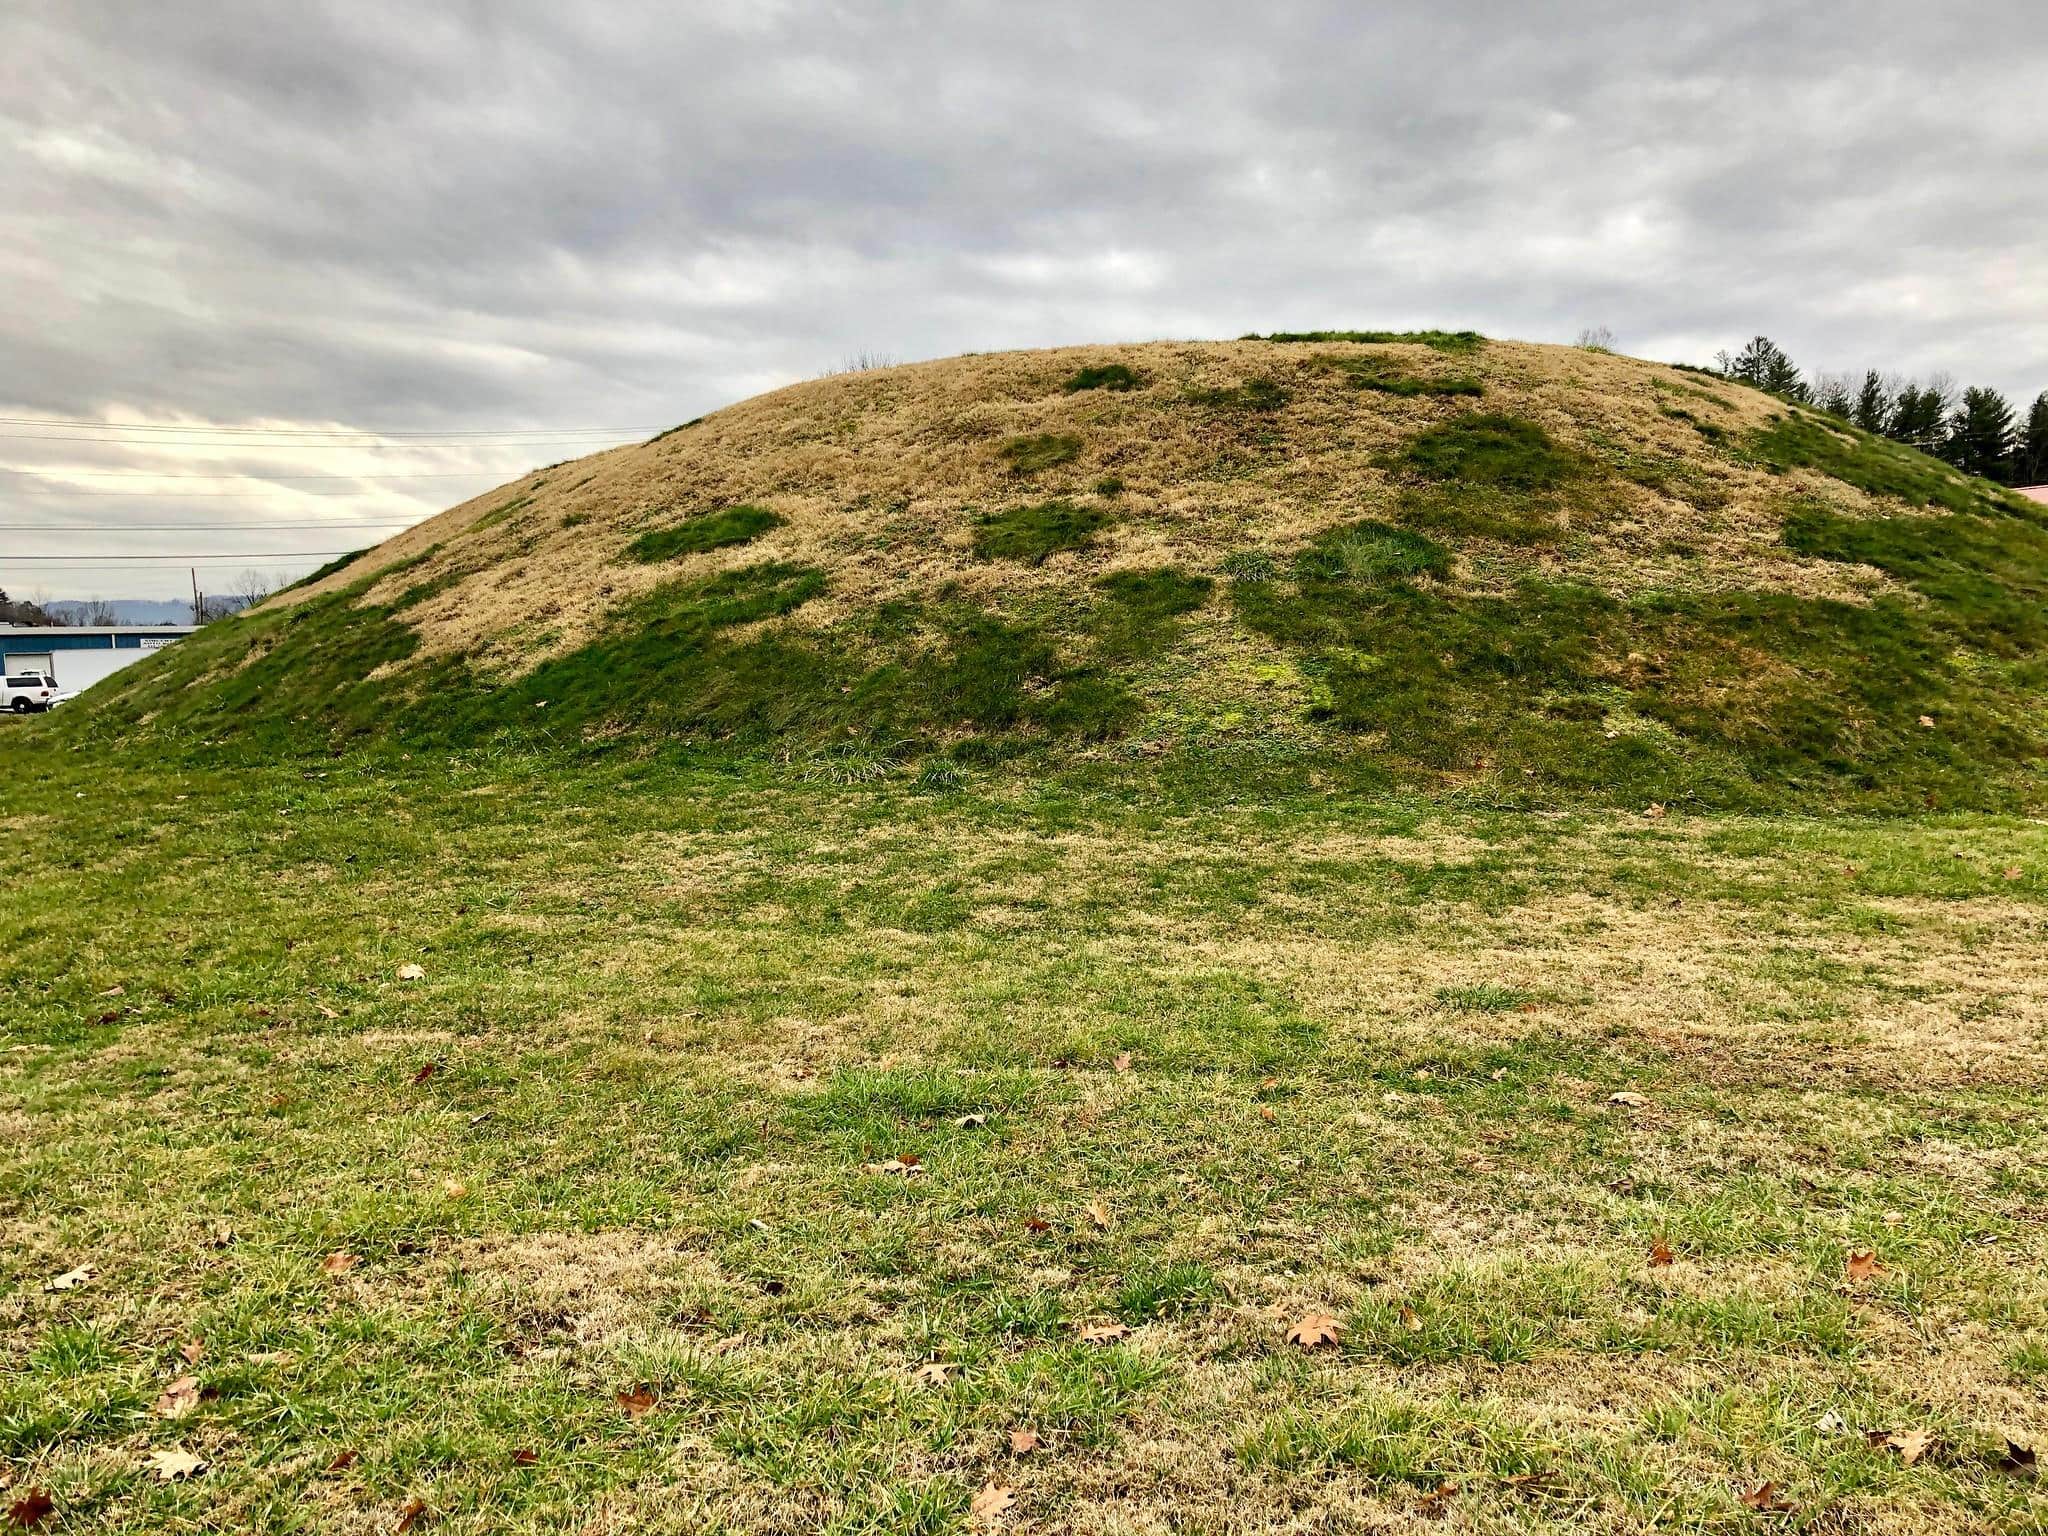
<point>760,1154</point>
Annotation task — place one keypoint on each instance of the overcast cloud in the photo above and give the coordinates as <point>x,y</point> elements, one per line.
<point>429,218</point>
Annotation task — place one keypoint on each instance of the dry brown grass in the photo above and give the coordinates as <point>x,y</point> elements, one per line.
<point>879,476</point>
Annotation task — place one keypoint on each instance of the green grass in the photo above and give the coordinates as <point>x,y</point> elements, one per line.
<point>713,530</point>
<point>676,1004</point>
<point>1044,450</point>
<point>1387,376</point>
<point>1881,467</point>
<point>1452,342</point>
<point>1034,533</point>
<point>1110,376</point>
<point>1492,450</point>
<point>1258,396</point>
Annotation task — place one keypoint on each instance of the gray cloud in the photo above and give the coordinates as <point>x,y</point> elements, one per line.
<point>421,217</point>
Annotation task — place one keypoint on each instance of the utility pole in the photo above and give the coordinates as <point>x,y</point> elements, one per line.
<point>198,611</point>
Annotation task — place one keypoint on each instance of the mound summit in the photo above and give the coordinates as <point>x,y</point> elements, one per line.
<point>1346,558</point>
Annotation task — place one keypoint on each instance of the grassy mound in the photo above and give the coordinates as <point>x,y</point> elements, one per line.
<point>1340,558</point>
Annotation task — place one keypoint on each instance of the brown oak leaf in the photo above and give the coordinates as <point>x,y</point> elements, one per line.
<point>991,1504</point>
<point>1911,1444</point>
<point>934,1373</point>
<point>414,1512</point>
<point>172,1466</point>
<point>1764,1499</point>
<point>72,1279</point>
<point>179,1398</point>
<point>1104,1333</point>
<point>637,1401</point>
<point>31,1509</point>
<point>1024,1441</point>
<point>340,1262</point>
<point>1660,1254</point>
<point>1123,1061</point>
<point>1315,1330</point>
<point>1863,1264</point>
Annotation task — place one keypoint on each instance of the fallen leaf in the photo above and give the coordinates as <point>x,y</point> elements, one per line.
<point>1927,722</point>
<point>325,1012</point>
<point>343,1461</point>
<point>1433,1503</point>
<point>898,1167</point>
<point>1024,1441</point>
<point>1315,1330</point>
<point>117,990</point>
<point>1411,1320</point>
<point>969,1122</point>
<point>223,1234</point>
<point>31,1509</point>
<point>1104,1333</point>
<point>1654,812</point>
<point>1123,1061</point>
<point>638,1402</point>
<point>412,973</point>
<point>72,1279</point>
<point>414,1512</point>
<point>1265,1112</point>
<point>339,1263</point>
<point>934,1373</point>
<point>455,1189</point>
<point>1627,1099</point>
<point>2019,1460</point>
<point>1098,1213</point>
<point>173,1465</point>
<point>1865,1265</point>
<point>194,1350</point>
<point>1830,1423</point>
<point>179,1398</point>
<point>425,1072</point>
<point>991,1504</point>
<point>1037,1224</point>
<point>1911,1444</point>
<point>1660,1254</point>
<point>1764,1498</point>
<point>2012,871</point>
<point>523,1458</point>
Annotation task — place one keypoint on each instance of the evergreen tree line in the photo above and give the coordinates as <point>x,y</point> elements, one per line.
<point>1977,430</point>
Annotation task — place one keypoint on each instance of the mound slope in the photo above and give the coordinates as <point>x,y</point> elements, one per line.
<point>1364,559</point>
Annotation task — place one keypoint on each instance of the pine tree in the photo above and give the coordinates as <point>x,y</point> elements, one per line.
<point>1980,435</point>
<point>2033,451</point>
<point>1920,416</point>
<point>1833,393</point>
<point>1873,408</point>
<point>1764,365</point>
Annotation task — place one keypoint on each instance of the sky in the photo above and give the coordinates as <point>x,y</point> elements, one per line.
<point>439,244</point>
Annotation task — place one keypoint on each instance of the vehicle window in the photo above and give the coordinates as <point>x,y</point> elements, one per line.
<point>24,682</point>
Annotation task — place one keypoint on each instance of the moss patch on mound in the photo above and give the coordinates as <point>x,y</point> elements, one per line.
<point>715,530</point>
<point>1033,534</point>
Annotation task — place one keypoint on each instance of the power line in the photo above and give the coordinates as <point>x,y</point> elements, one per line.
<point>339,523</point>
<point>226,430</point>
<point>236,474</point>
<point>261,554</point>
<point>80,490</point>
